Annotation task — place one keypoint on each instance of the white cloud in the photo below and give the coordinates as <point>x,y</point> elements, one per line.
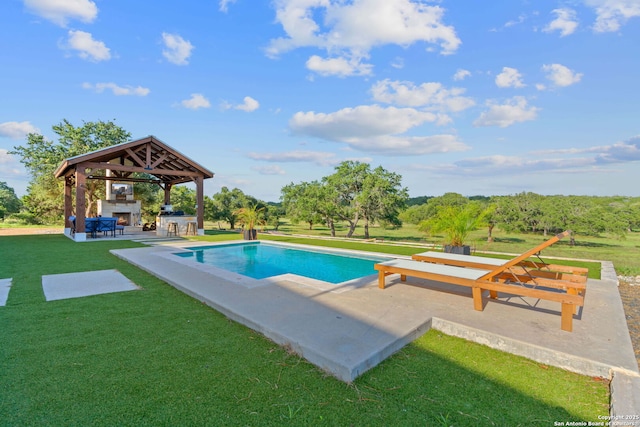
<point>513,111</point>
<point>461,74</point>
<point>61,11</point>
<point>320,158</point>
<point>341,67</point>
<point>17,130</point>
<point>509,77</point>
<point>523,163</point>
<point>621,152</point>
<point>431,95</point>
<point>515,22</point>
<point>5,157</point>
<point>612,14</point>
<point>505,165</point>
<point>561,161</point>
<point>561,75</point>
<point>177,50</point>
<point>248,105</point>
<point>269,170</point>
<point>87,47</point>
<point>116,89</point>
<point>392,145</point>
<point>371,128</point>
<point>10,167</point>
<point>350,30</point>
<point>359,122</point>
<point>224,5</point>
<point>196,101</point>
<point>398,63</point>
<point>565,22</point>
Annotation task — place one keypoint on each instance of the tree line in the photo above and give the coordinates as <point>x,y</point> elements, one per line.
<point>529,212</point>
<point>355,194</point>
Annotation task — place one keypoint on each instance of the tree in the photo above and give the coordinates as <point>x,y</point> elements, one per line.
<point>183,199</point>
<point>41,158</point>
<point>300,202</point>
<point>521,212</point>
<point>382,198</point>
<point>357,192</point>
<point>227,202</point>
<point>274,213</point>
<point>9,202</point>
<point>414,214</point>
<point>418,213</point>
<point>347,183</point>
<point>352,193</point>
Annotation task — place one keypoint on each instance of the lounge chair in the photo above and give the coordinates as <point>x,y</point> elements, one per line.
<point>517,276</point>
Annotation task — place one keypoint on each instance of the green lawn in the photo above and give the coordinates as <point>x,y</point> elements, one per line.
<point>158,357</point>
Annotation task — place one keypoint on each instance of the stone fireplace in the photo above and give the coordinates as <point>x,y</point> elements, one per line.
<point>119,203</point>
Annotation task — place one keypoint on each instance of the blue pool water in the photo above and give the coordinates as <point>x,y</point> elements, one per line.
<point>259,261</point>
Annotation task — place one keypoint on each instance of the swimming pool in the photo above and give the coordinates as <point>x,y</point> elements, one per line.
<point>260,260</point>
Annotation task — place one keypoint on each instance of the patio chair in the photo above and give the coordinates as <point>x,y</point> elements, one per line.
<point>107,225</point>
<point>91,226</point>
<point>515,277</point>
<point>72,221</point>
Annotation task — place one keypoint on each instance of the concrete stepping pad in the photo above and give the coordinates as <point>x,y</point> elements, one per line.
<point>5,287</point>
<point>76,285</point>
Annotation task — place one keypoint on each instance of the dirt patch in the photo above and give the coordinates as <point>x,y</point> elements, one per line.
<point>630,294</point>
<point>22,231</point>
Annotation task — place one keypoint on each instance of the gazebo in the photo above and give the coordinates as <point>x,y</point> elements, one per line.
<point>149,155</point>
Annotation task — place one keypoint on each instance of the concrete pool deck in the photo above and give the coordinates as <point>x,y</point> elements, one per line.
<point>347,333</point>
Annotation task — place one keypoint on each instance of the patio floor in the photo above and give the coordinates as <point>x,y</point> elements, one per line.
<point>349,332</point>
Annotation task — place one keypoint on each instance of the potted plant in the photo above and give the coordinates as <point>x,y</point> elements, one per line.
<point>249,217</point>
<point>456,222</point>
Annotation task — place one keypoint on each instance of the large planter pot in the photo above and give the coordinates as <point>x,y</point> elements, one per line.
<point>460,250</point>
<point>250,234</point>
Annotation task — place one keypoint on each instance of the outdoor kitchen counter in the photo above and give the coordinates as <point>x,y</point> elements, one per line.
<point>182,221</point>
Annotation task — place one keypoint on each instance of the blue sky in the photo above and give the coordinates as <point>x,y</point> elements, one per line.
<point>483,98</point>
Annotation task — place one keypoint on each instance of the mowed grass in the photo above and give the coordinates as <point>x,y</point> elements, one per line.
<point>159,357</point>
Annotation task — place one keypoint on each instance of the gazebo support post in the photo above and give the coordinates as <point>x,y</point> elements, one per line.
<point>81,179</point>
<point>200,204</point>
<point>167,194</point>
<point>68,205</point>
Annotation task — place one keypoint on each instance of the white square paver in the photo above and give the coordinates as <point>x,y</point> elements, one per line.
<point>75,285</point>
<point>5,286</point>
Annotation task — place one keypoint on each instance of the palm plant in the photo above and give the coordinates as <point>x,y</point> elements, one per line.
<point>456,222</point>
<point>250,217</point>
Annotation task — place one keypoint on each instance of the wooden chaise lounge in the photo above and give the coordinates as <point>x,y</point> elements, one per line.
<point>517,276</point>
